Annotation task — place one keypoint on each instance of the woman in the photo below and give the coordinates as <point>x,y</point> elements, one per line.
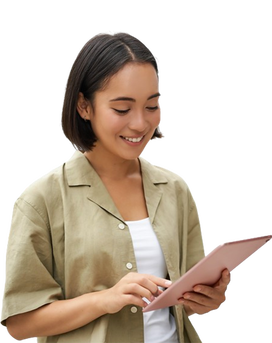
<point>95,239</point>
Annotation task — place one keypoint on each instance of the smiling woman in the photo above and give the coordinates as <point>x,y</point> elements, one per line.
<point>90,242</point>
<point>99,60</point>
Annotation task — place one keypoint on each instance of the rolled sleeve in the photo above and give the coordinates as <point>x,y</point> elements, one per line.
<point>29,268</point>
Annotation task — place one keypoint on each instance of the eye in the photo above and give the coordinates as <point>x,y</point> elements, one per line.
<point>121,111</point>
<point>152,108</point>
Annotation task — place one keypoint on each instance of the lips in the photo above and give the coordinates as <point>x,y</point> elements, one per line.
<point>133,140</point>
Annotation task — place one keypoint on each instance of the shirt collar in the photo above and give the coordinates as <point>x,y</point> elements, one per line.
<point>80,172</point>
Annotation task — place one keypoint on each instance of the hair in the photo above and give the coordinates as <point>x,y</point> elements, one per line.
<point>100,58</point>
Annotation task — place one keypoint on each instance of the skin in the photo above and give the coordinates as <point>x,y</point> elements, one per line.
<point>127,109</point>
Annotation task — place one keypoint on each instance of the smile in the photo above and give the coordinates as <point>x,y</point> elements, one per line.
<point>133,140</point>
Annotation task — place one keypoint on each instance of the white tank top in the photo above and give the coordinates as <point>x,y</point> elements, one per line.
<point>159,325</point>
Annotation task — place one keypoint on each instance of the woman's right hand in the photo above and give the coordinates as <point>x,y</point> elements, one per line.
<point>131,290</point>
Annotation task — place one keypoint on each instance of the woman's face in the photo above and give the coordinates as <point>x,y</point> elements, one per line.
<point>126,113</point>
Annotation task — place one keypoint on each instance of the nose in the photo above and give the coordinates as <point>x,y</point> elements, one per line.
<point>138,121</point>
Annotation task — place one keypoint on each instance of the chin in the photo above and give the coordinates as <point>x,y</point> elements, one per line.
<point>131,157</point>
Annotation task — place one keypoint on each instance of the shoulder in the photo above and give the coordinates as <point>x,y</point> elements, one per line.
<point>48,190</point>
<point>171,184</point>
<point>51,182</point>
<point>159,174</point>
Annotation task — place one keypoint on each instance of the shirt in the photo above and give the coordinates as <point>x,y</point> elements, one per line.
<point>159,326</point>
<point>67,238</point>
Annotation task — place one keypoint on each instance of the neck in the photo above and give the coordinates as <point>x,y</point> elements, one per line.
<point>112,168</point>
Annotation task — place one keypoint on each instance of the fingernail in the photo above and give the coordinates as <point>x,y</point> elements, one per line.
<point>168,283</point>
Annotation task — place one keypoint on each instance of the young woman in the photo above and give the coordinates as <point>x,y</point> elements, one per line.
<point>95,238</point>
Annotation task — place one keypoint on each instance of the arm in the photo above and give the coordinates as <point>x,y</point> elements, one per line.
<point>56,318</point>
<point>67,315</point>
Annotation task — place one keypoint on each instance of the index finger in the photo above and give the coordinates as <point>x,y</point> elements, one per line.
<point>159,281</point>
<point>152,283</point>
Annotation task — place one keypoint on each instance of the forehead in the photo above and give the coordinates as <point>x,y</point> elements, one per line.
<point>134,79</point>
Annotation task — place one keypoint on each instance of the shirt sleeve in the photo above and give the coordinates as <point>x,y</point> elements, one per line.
<point>29,266</point>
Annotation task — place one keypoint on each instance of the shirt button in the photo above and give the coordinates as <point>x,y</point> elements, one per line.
<point>133,309</point>
<point>121,226</point>
<point>129,265</point>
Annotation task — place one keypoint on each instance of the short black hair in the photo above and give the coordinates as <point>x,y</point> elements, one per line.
<point>100,58</point>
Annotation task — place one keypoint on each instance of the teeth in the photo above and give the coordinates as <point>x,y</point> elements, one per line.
<point>134,140</point>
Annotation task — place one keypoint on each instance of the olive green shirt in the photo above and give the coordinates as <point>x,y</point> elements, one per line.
<point>67,238</point>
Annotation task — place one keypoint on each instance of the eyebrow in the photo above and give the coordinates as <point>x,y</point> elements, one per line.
<point>124,98</point>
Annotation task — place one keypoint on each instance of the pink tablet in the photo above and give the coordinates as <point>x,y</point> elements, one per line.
<point>208,270</point>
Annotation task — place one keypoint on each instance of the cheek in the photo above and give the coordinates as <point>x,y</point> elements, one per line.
<point>161,115</point>
<point>106,123</point>
<point>156,119</point>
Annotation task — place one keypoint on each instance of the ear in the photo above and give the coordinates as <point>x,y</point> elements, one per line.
<point>84,107</point>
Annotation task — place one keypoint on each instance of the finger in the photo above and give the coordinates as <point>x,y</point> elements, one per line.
<point>212,297</point>
<point>224,280</point>
<point>194,307</point>
<point>222,283</point>
<point>152,283</point>
<point>159,281</point>
<point>225,277</point>
<point>197,298</point>
<point>211,302</point>
<point>136,289</point>
<point>208,291</point>
<point>155,279</point>
<point>134,299</point>
<point>160,291</point>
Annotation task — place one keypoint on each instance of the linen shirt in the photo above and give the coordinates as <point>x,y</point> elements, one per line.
<point>67,238</point>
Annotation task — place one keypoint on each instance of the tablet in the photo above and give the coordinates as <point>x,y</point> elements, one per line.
<point>208,270</point>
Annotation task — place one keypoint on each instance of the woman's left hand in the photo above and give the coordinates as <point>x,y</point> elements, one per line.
<point>206,298</point>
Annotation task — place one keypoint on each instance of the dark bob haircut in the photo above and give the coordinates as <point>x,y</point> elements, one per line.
<point>100,58</point>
